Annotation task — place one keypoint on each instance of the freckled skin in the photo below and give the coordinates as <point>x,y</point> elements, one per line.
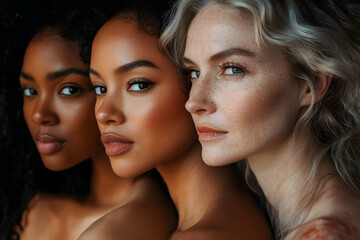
<point>69,118</point>
<point>327,228</point>
<point>258,108</point>
<point>156,119</point>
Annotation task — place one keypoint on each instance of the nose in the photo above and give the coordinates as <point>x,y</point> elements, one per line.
<point>109,112</point>
<point>200,99</point>
<point>44,112</point>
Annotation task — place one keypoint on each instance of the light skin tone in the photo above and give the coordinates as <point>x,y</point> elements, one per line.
<point>59,111</point>
<point>152,117</point>
<point>245,104</point>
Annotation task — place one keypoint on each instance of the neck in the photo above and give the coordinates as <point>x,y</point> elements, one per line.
<point>107,189</point>
<point>283,174</point>
<point>190,181</point>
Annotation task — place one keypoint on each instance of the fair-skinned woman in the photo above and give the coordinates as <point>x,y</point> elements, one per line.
<point>268,86</point>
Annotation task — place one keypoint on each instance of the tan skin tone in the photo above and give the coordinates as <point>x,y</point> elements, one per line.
<point>247,92</point>
<point>212,203</point>
<point>59,111</point>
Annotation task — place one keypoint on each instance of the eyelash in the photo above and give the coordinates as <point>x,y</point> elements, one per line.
<point>24,91</point>
<point>134,81</point>
<point>78,88</point>
<point>227,65</point>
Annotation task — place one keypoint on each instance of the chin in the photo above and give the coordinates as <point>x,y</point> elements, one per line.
<point>57,163</point>
<point>124,170</point>
<point>216,158</point>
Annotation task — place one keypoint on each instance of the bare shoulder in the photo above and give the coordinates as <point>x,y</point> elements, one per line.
<point>148,214</point>
<point>38,216</point>
<point>213,233</point>
<point>202,234</point>
<point>236,218</point>
<point>327,228</point>
<point>219,226</point>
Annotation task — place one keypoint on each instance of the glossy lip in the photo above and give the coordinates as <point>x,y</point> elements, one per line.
<point>207,134</point>
<point>115,144</point>
<point>48,144</point>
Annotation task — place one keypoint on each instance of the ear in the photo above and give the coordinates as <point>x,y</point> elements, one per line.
<point>321,86</point>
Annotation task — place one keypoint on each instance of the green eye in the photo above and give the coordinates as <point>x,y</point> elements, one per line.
<point>194,74</point>
<point>233,70</point>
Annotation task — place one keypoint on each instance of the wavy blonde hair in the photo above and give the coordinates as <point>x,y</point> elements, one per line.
<point>320,38</point>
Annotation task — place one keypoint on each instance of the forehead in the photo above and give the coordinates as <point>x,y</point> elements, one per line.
<point>52,52</point>
<point>221,26</point>
<point>125,39</point>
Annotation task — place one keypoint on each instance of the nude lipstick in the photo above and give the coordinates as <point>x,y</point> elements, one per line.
<point>207,134</point>
<point>48,144</point>
<point>114,144</point>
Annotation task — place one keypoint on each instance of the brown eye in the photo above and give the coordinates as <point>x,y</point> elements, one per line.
<point>69,91</point>
<point>139,85</point>
<point>29,92</point>
<point>100,90</point>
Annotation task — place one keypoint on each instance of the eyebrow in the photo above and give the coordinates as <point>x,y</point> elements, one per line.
<point>26,76</point>
<point>128,67</point>
<point>66,72</point>
<point>57,74</point>
<point>225,53</point>
<point>135,64</point>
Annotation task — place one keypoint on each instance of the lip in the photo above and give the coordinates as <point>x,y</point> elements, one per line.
<point>207,134</point>
<point>48,144</point>
<point>115,144</point>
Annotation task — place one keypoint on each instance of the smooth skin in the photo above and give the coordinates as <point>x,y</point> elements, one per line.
<point>59,111</point>
<point>212,203</point>
<point>246,91</point>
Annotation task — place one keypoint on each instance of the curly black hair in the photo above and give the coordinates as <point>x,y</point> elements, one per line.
<point>22,173</point>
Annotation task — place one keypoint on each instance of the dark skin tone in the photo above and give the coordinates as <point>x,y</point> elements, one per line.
<point>59,111</point>
<point>210,201</point>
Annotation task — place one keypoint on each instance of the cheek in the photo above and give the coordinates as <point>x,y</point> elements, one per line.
<point>167,128</point>
<point>27,113</point>
<point>255,110</point>
<point>79,121</point>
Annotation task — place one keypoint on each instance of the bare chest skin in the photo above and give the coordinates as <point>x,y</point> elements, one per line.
<point>327,228</point>
<point>66,218</point>
<point>229,213</point>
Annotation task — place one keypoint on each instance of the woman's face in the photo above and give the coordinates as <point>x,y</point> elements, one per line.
<point>140,106</point>
<point>243,99</point>
<point>58,108</point>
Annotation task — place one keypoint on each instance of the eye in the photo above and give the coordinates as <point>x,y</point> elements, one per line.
<point>194,74</point>
<point>233,70</point>
<point>100,90</point>
<point>29,92</point>
<point>139,85</point>
<point>70,91</point>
